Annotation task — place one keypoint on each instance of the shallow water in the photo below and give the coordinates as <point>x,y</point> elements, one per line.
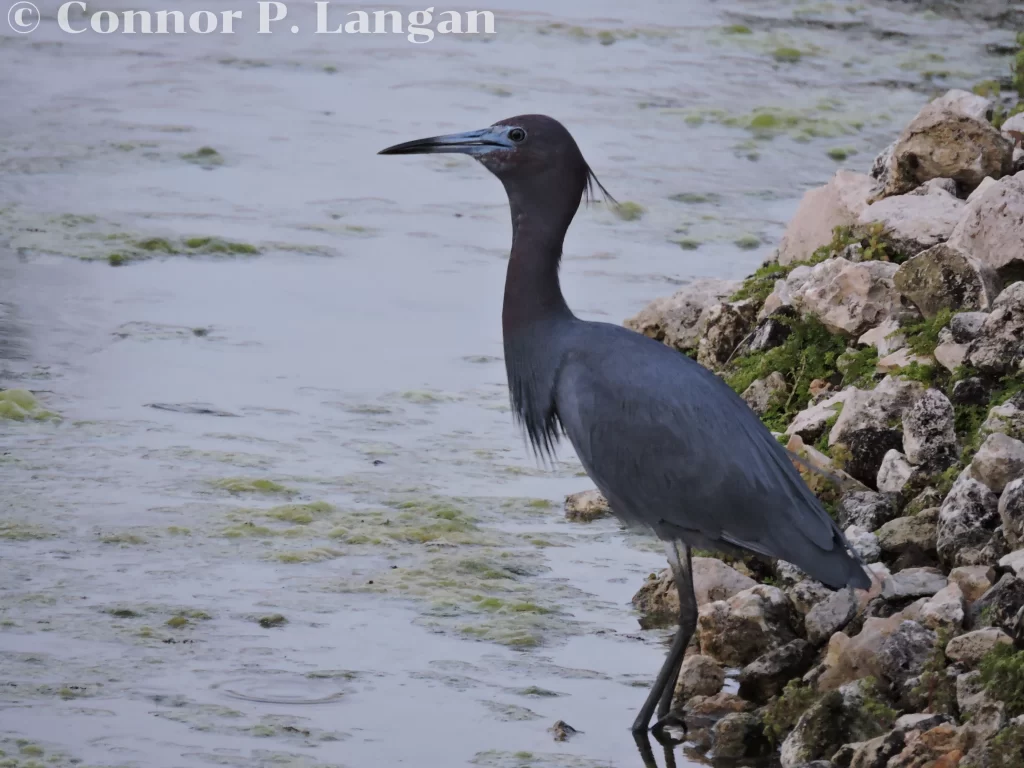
<point>403,591</point>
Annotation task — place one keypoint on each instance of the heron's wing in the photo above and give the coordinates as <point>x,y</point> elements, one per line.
<point>674,447</point>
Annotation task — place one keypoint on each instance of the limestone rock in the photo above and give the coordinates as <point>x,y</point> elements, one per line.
<point>894,472</point>
<point>944,610</point>
<point>920,531</point>
<point>864,543</point>
<point>853,658</point>
<point>966,521</point>
<point>806,594</point>
<point>811,422</point>
<point>866,509</point>
<point>915,222</point>
<point>586,506</point>
<point>940,747</point>
<point>999,606</point>
<point>929,437</point>
<point>830,616</point>
<point>712,580</point>
<point>750,623</point>
<point>1011,512</point>
<point>966,326</point>
<point>998,348</point>
<point>837,718</point>
<point>965,103</point>
<point>677,320</point>
<point>725,326</point>
<point>773,330</point>
<point>913,582</point>
<point>1014,563</point>
<point>944,277</point>
<point>850,297</point>
<point>716,706</point>
<point>904,652</point>
<point>761,393</point>
<point>991,230</point>
<point>885,337</point>
<point>973,580</point>
<point>838,203</point>
<point>1007,418</point>
<point>970,647</point>
<point>940,143</point>
<point>949,355</point>
<point>999,461</point>
<point>740,735</point>
<point>767,675</point>
<point>901,358</point>
<point>699,676</point>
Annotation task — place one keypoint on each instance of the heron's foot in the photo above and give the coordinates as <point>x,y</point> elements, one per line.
<point>670,729</point>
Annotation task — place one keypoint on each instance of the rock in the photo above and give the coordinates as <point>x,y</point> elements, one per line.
<point>942,144</point>
<point>915,222</point>
<point>739,735</point>
<point>1006,418</point>
<point>966,520</point>
<point>726,325</point>
<point>940,747</point>
<point>853,658</point>
<point>562,731</point>
<point>905,652</point>
<point>699,676</point>
<point>787,574</point>
<point>830,616</point>
<point>767,675</point>
<point>772,331</point>
<point>677,320</point>
<point>885,337</point>
<point>929,437</point>
<point>944,277</point>
<point>874,753</point>
<point>839,717</point>
<point>999,461</point>
<point>717,705</point>
<point>944,611</point>
<point>806,594</point>
<point>586,506</point>
<point>750,623</point>
<point>991,229</point>
<point>848,297</point>
<point>913,582</point>
<point>998,348</point>
<point>712,580</point>
<point>970,693</point>
<point>966,326</point>
<point>999,606</point>
<point>901,358</point>
<point>949,355</point>
<point>894,472</point>
<point>920,530</point>
<point>965,103</point>
<point>970,391</point>
<point>1011,512</point>
<point>1013,123</point>
<point>970,647</point>
<point>762,393</point>
<point>812,422</point>
<point>866,509</point>
<point>838,203</point>
<point>973,580</point>
<point>1013,563</point>
<point>782,296</point>
<point>864,543</point>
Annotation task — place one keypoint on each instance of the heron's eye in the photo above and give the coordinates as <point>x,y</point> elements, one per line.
<point>518,135</point>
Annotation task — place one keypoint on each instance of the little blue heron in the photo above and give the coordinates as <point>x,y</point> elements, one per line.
<point>667,442</point>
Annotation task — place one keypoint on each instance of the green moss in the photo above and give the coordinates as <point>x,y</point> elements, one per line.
<point>915,371</point>
<point>784,710</point>
<point>760,284</point>
<point>858,366</point>
<point>875,706</point>
<point>250,485</point>
<point>629,211</point>
<point>935,688</point>
<point>872,239</point>
<point>1002,674</point>
<point>923,335</point>
<point>1006,750</point>
<point>273,620</point>
<point>787,55</point>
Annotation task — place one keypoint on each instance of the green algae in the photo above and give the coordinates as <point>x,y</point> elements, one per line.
<point>156,245</point>
<point>696,198</point>
<point>689,243</point>
<point>16,531</point>
<point>839,154</point>
<point>297,556</point>
<point>22,405</point>
<point>787,55</point>
<point>123,538</point>
<point>177,622</point>
<point>251,485</point>
<point>300,514</point>
<point>629,211</point>
<point>217,245</point>
<point>737,29</point>
<point>747,242</point>
<point>272,620</point>
<point>207,157</point>
<point>784,710</point>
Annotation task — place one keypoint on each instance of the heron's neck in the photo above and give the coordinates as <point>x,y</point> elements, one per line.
<point>532,291</point>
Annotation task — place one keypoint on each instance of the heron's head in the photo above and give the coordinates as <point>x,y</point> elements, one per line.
<point>519,151</point>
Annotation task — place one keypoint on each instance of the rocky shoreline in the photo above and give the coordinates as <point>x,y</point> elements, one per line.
<point>883,341</point>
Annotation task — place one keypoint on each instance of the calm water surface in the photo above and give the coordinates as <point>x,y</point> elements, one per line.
<point>398,588</point>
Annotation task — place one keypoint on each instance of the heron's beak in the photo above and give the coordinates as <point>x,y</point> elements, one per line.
<point>469,143</point>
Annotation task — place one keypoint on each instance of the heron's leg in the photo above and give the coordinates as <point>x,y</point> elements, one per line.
<point>664,686</point>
